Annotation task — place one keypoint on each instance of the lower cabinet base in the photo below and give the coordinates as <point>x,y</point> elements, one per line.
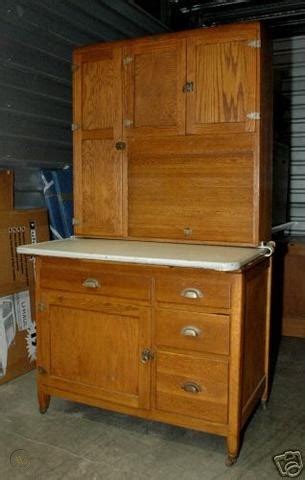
<point>182,346</point>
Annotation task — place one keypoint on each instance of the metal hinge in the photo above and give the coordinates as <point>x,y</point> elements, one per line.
<point>75,221</point>
<point>127,60</point>
<point>74,67</point>
<point>75,126</point>
<point>41,307</point>
<point>254,115</point>
<point>254,44</point>
<point>188,87</point>
<point>127,122</point>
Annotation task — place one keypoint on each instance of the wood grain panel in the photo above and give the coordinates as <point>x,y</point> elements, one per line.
<point>254,335</point>
<point>215,289</point>
<point>110,284</point>
<point>99,203</point>
<point>98,167</point>
<point>213,331</point>
<point>97,351</point>
<point>98,91</point>
<point>154,79</point>
<point>173,370</point>
<point>225,85</point>
<point>192,197</point>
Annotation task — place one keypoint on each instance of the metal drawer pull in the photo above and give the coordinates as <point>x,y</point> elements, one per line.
<point>91,283</point>
<point>192,293</point>
<point>190,331</point>
<point>191,387</point>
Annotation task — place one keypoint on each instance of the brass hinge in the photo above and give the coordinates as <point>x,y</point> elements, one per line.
<point>254,44</point>
<point>127,60</point>
<point>41,307</point>
<point>127,122</point>
<point>74,67</point>
<point>188,87</point>
<point>75,126</point>
<point>254,115</point>
<point>75,221</point>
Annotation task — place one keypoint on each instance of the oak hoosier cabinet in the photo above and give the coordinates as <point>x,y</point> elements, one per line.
<point>160,308</point>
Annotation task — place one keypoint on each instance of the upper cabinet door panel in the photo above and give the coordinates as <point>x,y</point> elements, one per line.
<point>98,93</point>
<point>98,163</point>
<point>223,94</point>
<point>153,88</point>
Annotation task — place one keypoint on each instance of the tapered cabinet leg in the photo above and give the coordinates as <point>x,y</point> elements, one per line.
<point>233,445</point>
<point>44,400</point>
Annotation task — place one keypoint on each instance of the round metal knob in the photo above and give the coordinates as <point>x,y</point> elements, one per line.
<point>120,145</point>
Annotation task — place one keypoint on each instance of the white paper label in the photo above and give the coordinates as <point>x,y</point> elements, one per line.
<point>23,310</point>
<point>7,329</point>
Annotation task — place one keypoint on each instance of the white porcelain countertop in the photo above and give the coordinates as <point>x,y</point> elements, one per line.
<point>151,253</point>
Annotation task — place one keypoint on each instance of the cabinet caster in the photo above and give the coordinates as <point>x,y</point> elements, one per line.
<point>230,460</point>
<point>264,404</point>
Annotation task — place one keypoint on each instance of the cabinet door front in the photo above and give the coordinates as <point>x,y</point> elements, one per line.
<point>154,75</point>
<point>222,75</point>
<point>94,348</point>
<point>98,147</point>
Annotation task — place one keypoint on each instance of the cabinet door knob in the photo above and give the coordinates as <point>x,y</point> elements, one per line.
<point>120,145</point>
<point>191,387</point>
<point>147,355</point>
<point>192,293</point>
<point>91,283</point>
<point>190,331</point>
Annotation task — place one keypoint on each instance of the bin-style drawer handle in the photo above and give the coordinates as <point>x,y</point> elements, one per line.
<point>192,293</point>
<point>190,331</point>
<point>191,387</point>
<point>91,283</point>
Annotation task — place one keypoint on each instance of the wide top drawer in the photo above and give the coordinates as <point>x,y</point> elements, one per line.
<point>93,279</point>
<point>196,290</point>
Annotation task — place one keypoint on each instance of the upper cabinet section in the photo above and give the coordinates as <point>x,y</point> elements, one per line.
<point>154,75</point>
<point>172,137</point>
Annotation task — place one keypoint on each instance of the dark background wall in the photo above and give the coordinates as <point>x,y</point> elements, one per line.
<point>36,42</point>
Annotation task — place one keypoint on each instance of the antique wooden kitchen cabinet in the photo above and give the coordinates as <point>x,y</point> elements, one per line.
<point>142,312</point>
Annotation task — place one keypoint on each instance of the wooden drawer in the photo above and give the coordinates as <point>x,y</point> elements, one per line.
<point>193,290</point>
<point>192,385</point>
<point>192,331</point>
<point>95,280</point>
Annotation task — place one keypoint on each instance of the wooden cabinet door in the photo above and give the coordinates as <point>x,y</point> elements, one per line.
<point>92,347</point>
<point>222,78</point>
<point>154,75</point>
<point>98,164</point>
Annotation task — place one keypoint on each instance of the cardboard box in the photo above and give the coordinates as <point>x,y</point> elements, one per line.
<point>6,190</point>
<point>18,227</point>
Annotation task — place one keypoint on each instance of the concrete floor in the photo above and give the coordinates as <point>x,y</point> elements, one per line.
<point>73,441</point>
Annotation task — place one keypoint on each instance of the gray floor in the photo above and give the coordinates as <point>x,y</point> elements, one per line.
<point>78,442</point>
